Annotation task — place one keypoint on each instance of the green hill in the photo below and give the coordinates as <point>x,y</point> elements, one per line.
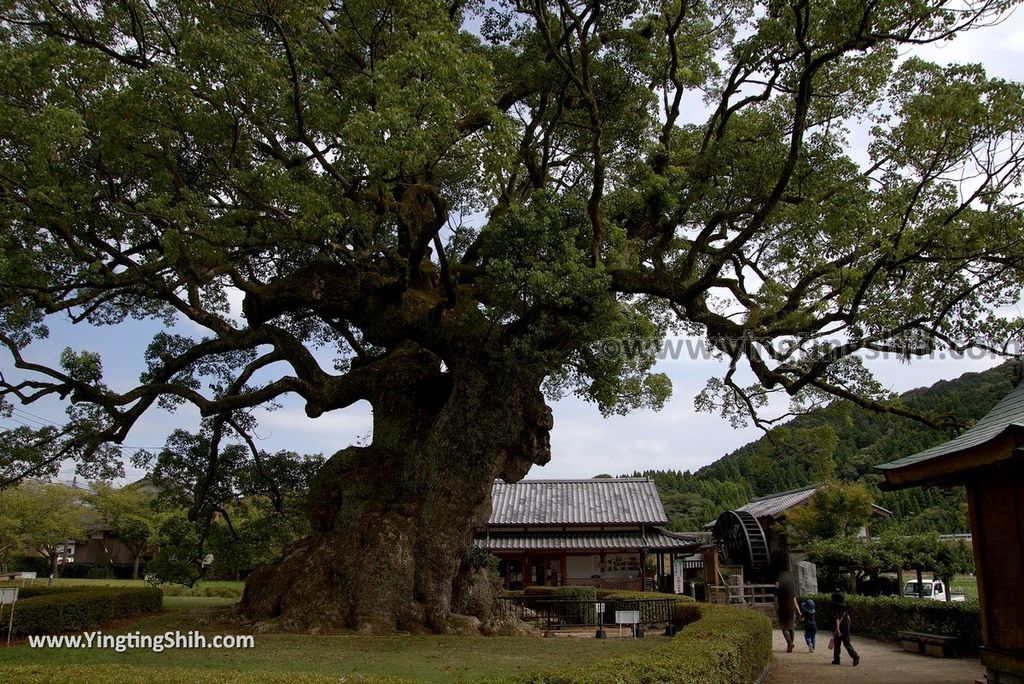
<point>840,441</point>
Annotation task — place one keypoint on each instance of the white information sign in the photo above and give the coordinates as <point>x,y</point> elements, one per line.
<point>8,595</point>
<point>627,617</point>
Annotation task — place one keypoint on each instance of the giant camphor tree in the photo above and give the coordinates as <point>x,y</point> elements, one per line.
<point>454,210</point>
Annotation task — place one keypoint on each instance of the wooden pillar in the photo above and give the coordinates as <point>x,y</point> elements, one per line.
<point>526,570</point>
<point>564,570</point>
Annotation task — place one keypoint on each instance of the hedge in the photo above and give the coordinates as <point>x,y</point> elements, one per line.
<point>684,611</point>
<point>74,609</point>
<point>574,613</point>
<point>727,644</point>
<point>882,617</point>
<point>31,591</point>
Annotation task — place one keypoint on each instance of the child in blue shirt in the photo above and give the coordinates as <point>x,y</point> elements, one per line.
<point>810,623</point>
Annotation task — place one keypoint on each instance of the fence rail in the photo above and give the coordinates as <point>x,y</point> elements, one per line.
<point>552,613</point>
<point>741,594</point>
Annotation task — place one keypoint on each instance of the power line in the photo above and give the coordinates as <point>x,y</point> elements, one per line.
<point>45,422</point>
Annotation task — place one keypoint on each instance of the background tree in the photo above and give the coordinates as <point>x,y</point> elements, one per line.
<point>245,505</point>
<point>441,209</point>
<point>835,510</point>
<point>48,516</point>
<point>848,560</point>
<point>10,527</point>
<point>951,559</point>
<point>180,557</point>
<point>929,553</point>
<point>129,513</point>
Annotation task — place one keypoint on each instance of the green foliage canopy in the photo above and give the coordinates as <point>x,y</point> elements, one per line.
<point>503,186</point>
<point>836,510</point>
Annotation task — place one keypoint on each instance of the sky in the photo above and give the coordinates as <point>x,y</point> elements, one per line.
<point>584,443</point>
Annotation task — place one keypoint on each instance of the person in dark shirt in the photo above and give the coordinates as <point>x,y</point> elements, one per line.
<point>841,634</point>
<point>810,623</point>
<point>788,609</point>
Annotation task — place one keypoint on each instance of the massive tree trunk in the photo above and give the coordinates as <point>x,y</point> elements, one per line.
<point>393,521</point>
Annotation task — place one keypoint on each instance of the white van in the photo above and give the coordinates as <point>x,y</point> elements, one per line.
<point>934,590</point>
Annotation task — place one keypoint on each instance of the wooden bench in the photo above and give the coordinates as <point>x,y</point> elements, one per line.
<point>936,645</point>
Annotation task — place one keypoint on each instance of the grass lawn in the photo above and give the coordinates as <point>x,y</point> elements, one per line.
<point>280,657</point>
<point>969,585</point>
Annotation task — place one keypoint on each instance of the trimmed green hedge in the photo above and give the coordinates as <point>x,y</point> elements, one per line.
<point>49,610</point>
<point>727,644</point>
<point>881,617</point>
<point>44,590</point>
<point>573,613</point>
<point>684,611</point>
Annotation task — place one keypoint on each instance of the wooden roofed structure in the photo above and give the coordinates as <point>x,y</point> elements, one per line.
<point>988,460</point>
<point>594,532</point>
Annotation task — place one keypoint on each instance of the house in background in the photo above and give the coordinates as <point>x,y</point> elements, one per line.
<point>602,532</point>
<point>756,536</point>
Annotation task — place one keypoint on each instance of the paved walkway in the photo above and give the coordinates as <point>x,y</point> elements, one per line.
<point>881,663</point>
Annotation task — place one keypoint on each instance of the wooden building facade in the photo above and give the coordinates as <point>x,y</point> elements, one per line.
<point>988,460</point>
<point>603,532</point>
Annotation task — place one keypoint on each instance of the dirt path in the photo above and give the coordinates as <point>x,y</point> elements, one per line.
<point>881,663</point>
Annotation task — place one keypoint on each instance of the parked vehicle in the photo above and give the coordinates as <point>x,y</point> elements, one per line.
<point>934,590</point>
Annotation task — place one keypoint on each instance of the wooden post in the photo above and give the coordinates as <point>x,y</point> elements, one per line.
<point>526,570</point>
<point>564,570</point>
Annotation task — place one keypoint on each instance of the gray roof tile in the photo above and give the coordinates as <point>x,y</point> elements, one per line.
<point>563,541</point>
<point>776,503</point>
<point>600,501</point>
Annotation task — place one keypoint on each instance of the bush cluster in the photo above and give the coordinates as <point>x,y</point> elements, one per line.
<point>49,610</point>
<point>727,644</point>
<point>203,589</point>
<point>684,610</point>
<point>882,617</point>
<point>572,613</point>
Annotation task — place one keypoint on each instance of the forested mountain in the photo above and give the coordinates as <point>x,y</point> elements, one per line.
<point>842,441</point>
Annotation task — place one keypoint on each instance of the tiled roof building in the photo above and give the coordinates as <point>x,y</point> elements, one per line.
<point>598,532</point>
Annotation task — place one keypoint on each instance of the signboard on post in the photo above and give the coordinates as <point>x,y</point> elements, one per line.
<point>8,595</point>
<point>627,617</point>
<point>679,576</point>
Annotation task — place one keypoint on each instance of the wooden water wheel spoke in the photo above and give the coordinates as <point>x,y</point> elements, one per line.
<point>741,541</point>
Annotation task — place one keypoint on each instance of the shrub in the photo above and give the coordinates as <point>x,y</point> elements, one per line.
<point>29,563</point>
<point>727,644</point>
<point>882,617</point>
<point>77,608</point>
<point>572,613</point>
<point>683,610</point>
<point>203,589</point>
<point>32,591</point>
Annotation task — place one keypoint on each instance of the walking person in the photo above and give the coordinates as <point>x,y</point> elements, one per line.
<point>810,623</point>
<point>841,633</point>
<point>788,609</point>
